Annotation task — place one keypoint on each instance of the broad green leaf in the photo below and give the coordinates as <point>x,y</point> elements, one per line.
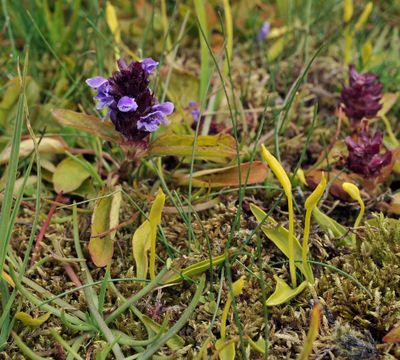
<point>228,349</point>
<point>217,148</point>
<point>47,145</point>
<point>144,239</point>
<point>332,226</point>
<point>283,292</point>
<point>280,237</point>
<point>196,269</point>
<point>69,176</point>
<point>105,217</point>
<point>30,321</point>
<point>175,343</point>
<point>88,123</point>
<point>227,176</point>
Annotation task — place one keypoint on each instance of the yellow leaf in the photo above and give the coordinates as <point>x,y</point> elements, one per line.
<point>312,333</point>
<point>226,349</point>
<point>316,195</point>
<point>387,101</point>
<point>141,243</point>
<point>300,176</point>
<point>237,288</point>
<point>280,173</point>
<point>348,10</point>
<point>47,145</point>
<point>364,16</point>
<point>8,279</point>
<point>112,22</point>
<point>276,49</point>
<point>144,239</point>
<point>69,175</point>
<point>280,237</point>
<point>217,148</point>
<point>366,53</point>
<point>354,193</point>
<point>283,292</point>
<point>105,217</point>
<point>155,220</point>
<point>30,321</point>
<point>253,173</point>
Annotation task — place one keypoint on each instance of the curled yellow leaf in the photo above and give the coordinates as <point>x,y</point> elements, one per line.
<point>354,193</point>
<point>283,292</point>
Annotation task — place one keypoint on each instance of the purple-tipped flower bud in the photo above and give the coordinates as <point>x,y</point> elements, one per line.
<point>263,32</point>
<point>361,98</point>
<point>364,154</point>
<point>132,106</point>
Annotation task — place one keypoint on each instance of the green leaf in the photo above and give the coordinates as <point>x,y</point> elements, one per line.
<point>105,217</point>
<point>88,123</point>
<point>330,225</point>
<point>228,349</point>
<point>196,269</point>
<point>175,343</point>
<point>217,148</point>
<point>30,321</point>
<point>280,237</point>
<point>69,176</point>
<point>144,239</point>
<point>283,292</point>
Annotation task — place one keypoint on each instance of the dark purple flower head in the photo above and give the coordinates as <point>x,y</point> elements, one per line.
<point>361,98</point>
<point>364,154</point>
<point>263,32</point>
<point>132,106</point>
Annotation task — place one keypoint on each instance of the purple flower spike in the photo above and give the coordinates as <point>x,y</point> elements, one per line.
<point>263,32</point>
<point>96,82</point>
<point>132,106</point>
<point>149,65</point>
<point>361,99</point>
<point>126,104</point>
<point>364,154</point>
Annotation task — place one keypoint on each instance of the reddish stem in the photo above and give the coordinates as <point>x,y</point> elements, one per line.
<point>43,230</point>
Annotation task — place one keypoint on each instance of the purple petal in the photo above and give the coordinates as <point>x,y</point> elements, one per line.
<point>107,101</point>
<point>165,108</point>
<point>151,122</point>
<point>126,104</point>
<point>263,32</point>
<point>149,65</point>
<point>96,82</point>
